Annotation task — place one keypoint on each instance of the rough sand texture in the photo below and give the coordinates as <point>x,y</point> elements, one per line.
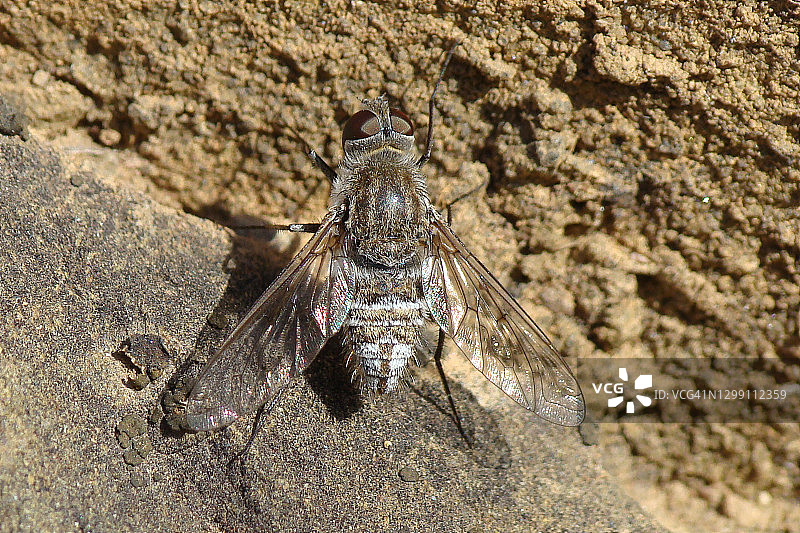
<point>642,186</point>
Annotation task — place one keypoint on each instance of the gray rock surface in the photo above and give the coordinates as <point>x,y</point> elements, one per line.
<point>86,264</point>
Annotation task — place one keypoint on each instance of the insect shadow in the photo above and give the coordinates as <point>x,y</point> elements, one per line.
<point>478,435</point>
<point>330,380</point>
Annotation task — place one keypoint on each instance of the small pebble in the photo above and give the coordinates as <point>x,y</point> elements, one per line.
<point>408,474</point>
<point>124,440</point>
<point>217,320</point>
<point>77,179</point>
<point>110,137</point>
<point>132,457</point>
<point>139,382</point>
<point>40,78</point>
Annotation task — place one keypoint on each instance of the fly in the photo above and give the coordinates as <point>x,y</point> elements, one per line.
<point>381,264</point>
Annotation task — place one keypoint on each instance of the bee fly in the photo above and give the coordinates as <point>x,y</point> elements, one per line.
<point>381,264</point>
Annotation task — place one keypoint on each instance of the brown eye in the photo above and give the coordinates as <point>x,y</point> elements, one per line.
<point>361,125</point>
<point>401,123</point>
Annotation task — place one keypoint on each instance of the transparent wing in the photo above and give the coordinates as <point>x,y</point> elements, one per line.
<point>495,333</point>
<point>281,334</point>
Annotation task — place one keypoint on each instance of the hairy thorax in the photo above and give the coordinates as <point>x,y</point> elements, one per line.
<point>388,219</point>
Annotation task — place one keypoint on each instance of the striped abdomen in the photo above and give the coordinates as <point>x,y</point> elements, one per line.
<point>383,328</point>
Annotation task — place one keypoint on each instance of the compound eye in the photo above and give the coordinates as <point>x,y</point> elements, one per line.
<point>400,122</point>
<point>361,125</point>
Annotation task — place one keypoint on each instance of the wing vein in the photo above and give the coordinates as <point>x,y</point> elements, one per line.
<point>495,333</point>
<point>278,337</point>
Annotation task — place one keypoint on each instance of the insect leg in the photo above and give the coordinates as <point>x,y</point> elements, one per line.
<point>431,108</point>
<point>294,228</point>
<point>258,424</point>
<point>297,228</point>
<point>449,206</point>
<point>437,358</point>
<point>323,166</point>
<point>318,161</point>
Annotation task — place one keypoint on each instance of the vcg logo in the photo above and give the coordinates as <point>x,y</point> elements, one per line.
<point>617,390</point>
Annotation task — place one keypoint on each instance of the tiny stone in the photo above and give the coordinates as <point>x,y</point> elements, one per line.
<point>132,457</point>
<point>77,179</point>
<point>175,422</point>
<point>40,78</point>
<point>387,444</point>
<point>124,440</point>
<point>110,137</point>
<point>179,397</point>
<point>133,425</point>
<point>217,320</point>
<point>139,382</point>
<point>12,119</point>
<point>408,474</point>
<point>155,415</point>
<point>123,426</point>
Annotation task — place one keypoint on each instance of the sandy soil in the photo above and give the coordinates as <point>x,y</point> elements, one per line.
<point>639,161</point>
